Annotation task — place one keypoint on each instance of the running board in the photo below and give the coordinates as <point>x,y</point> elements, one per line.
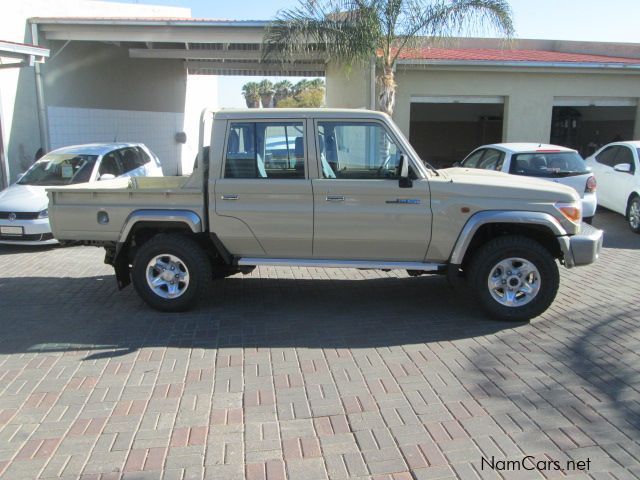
<point>370,264</point>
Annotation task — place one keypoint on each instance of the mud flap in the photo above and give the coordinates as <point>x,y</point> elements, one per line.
<point>118,259</point>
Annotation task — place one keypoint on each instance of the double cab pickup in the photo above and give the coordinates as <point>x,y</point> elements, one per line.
<point>331,188</point>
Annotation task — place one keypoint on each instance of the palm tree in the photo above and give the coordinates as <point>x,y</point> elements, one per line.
<point>355,31</point>
<point>283,89</point>
<point>251,92</point>
<point>300,87</point>
<point>317,84</point>
<point>266,92</point>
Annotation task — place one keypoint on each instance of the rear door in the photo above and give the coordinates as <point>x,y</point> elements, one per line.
<point>361,213</point>
<point>263,198</point>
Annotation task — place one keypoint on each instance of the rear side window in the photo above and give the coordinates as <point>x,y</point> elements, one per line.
<point>265,150</point>
<point>608,156</point>
<point>547,164</point>
<point>131,158</point>
<point>110,164</point>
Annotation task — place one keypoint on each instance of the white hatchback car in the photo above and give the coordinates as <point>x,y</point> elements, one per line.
<point>24,219</point>
<point>550,162</point>
<point>617,169</point>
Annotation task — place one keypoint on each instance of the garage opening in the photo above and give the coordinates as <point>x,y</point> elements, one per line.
<point>588,123</point>
<point>444,130</point>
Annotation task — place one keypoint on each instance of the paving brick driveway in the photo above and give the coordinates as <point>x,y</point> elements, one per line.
<point>311,373</point>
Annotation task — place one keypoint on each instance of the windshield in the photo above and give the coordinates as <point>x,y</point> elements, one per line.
<point>548,164</point>
<point>60,169</point>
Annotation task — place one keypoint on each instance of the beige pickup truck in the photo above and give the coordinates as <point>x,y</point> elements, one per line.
<point>333,189</point>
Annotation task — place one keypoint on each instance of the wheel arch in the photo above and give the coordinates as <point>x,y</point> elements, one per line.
<point>484,226</point>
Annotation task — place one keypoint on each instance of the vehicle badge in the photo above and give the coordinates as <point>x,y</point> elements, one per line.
<point>12,217</point>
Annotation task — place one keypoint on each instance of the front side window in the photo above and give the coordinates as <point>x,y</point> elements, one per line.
<point>60,169</point>
<point>625,155</point>
<point>548,164</point>
<point>608,156</point>
<point>265,150</point>
<point>472,160</point>
<point>357,150</point>
<point>492,160</point>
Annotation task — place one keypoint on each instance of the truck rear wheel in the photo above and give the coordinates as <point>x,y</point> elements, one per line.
<point>171,272</point>
<point>515,278</point>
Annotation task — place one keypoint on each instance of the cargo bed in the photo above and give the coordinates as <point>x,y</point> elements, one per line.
<point>75,211</point>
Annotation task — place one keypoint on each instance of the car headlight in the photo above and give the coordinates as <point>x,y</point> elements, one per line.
<point>570,211</point>
<point>44,213</point>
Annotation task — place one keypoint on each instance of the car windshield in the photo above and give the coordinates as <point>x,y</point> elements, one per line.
<point>548,164</point>
<point>60,169</point>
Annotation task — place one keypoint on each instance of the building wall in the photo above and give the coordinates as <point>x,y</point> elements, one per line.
<point>18,109</point>
<point>96,93</point>
<point>348,87</point>
<point>529,96</point>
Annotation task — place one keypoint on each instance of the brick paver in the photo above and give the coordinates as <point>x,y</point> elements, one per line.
<point>311,374</point>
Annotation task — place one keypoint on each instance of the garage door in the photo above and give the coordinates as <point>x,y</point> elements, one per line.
<point>587,123</point>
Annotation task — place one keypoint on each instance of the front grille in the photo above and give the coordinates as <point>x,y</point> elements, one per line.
<point>38,237</point>
<point>20,215</point>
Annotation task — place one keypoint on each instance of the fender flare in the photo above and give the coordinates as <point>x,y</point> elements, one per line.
<point>503,216</point>
<point>121,262</point>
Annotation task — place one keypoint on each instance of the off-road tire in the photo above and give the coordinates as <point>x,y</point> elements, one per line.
<point>193,257</point>
<point>487,257</point>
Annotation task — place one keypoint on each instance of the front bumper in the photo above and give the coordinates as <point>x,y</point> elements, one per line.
<point>34,232</point>
<point>582,248</point>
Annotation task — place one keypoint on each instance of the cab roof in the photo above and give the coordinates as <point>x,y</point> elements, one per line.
<point>343,113</point>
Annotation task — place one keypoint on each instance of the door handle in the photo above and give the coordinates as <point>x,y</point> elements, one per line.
<point>335,198</point>
<point>230,197</point>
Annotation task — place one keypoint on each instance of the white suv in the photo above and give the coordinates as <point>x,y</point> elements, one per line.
<point>549,162</point>
<point>617,168</point>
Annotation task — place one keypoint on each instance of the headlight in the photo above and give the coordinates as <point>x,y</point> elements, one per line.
<point>44,213</point>
<point>570,211</point>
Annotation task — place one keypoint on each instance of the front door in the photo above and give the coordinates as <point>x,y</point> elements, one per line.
<point>263,200</point>
<point>361,213</point>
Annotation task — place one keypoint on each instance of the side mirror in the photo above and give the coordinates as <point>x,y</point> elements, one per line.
<point>622,167</point>
<point>107,176</point>
<point>404,180</point>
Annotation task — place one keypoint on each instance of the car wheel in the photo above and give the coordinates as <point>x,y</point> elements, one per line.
<point>633,214</point>
<point>171,272</point>
<point>514,278</point>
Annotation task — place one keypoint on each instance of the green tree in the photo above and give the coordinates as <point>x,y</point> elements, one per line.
<point>266,93</point>
<point>251,92</point>
<point>283,89</point>
<point>355,31</point>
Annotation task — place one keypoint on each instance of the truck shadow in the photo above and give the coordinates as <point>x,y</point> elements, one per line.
<point>90,315</point>
<point>617,233</point>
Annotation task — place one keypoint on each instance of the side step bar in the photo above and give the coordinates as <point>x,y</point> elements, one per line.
<point>370,264</point>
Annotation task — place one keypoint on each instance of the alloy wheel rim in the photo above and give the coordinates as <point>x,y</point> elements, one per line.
<point>167,276</point>
<point>514,282</point>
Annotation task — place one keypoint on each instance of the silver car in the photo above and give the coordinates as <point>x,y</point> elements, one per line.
<point>24,217</point>
<point>550,162</point>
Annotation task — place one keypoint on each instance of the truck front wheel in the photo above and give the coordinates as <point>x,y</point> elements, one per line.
<point>515,278</point>
<point>171,272</point>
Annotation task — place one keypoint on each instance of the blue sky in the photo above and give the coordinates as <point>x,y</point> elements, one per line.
<point>594,20</point>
